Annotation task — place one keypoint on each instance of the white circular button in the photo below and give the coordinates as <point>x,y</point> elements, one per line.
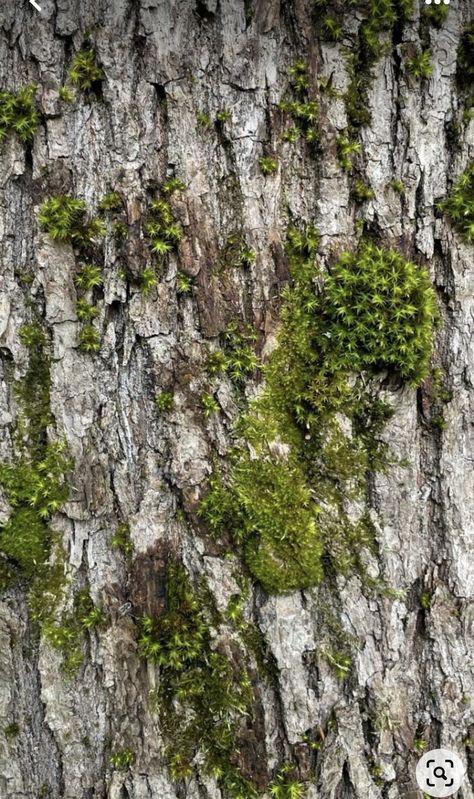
<point>440,772</point>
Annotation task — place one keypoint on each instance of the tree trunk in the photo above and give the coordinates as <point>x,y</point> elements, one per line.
<point>350,678</point>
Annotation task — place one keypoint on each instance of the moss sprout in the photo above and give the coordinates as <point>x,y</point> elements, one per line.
<point>203,120</point>
<point>362,192</point>
<point>184,283</point>
<point>346,150</point>
<point>331,29</point>
<point>285,785</point>
<point>111,202</point>
<point>147,281</point>
<point>121,539</point>
<point>436,15</point>
<point>419,64</point>
<point>84,71</point>
<point>89,277</point>
<point>209,404</point>
<point>164,401</point>
<point>268,165</point>
<point>66,95</point>
<point>89,339</point>
<point>123,759</point>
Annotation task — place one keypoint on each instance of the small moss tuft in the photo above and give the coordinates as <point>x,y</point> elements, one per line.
<point>268,165</point>
<point>84,71</point>
<point>18,113</point>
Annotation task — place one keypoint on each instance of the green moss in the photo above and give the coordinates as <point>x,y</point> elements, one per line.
<point>285,785</point>
<point>362,192</point>
<point>111,202</point>
<point>425,600</point>
<point>85,311</point>
<point>161,227</point>
<point>397,185</point>
<point>89,277</point>
<point>66,95</point>
<point>294,467</point>
<point>203,120</point>
<point>66,633</point>
<point>300,107</point>
<point>172,185</point>
<point>346,150</point>
<point>184,283</point>
<point>120,231</point>
<point>209,404</point>
<point>223,116</point>
<point>202,694</point>
<point>66,219</point>
<point>240,359</point>
<point>121,539</point>
<point>331,29</point>
<point>459,206</point>
<point>18,113</point>
<point>84,71</point>
<point>147,280</point>
<point>435,15</point>
<point>89,339</point>
<point>380,313</point>
<point>268,164</point>
<point>164,401</point>
<point>11,730</point>
<point>419,64</point>
<point>123,759</point>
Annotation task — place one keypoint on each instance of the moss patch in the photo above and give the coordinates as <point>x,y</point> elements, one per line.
<point>306,444</point>
<point>203,693</point>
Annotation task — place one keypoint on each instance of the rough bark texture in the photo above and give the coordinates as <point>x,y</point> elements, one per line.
<point>165,61</point>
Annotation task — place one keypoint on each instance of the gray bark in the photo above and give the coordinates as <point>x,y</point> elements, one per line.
<point>164,61</point>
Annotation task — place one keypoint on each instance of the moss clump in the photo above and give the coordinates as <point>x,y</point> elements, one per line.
<point>184,283</point>
<point>111,202</point>
<point>66,219</point>
<point>268,164</point>
<point>305,445</point>
<point>346,149</point>
<point>163,231</point>
<point>84,71</point>
<point>66,95</point>
<point>459,206</point>
<point>202,694</point>
<point>362,192</point>
<point>419,64</point>
<point>379,313</point>
<point>121,539</point>
<point>300,107</point>
<point>164,401</point>
<point>123,759</point>
<point>18,113</point>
